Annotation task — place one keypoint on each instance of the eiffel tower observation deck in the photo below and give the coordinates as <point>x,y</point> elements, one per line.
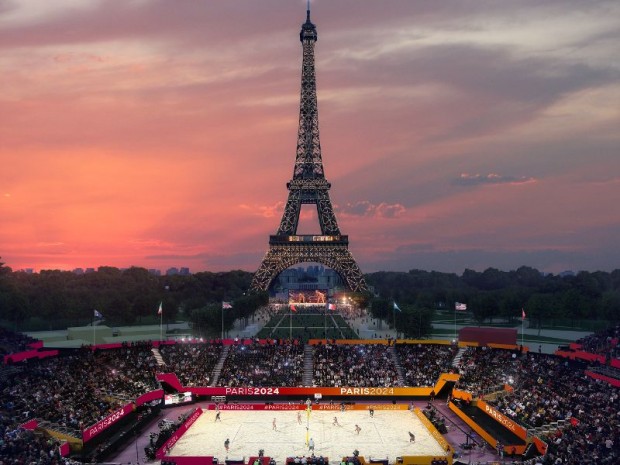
<point>308,186</point>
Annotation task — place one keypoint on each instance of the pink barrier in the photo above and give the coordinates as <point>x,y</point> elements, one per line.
<point>104,424</point>
<point>65,449</point>
<point>114,345</point>
<point>149,396</point>
<point>581,356</point>
<point>36,345</point>
<point>171,379</point>
<point>30,425</point>
<point>163,343</point>
<point>191,460</point>
<point>47,353</point>
<point>613,381</point>
<point>169,444</point>
<point>21,356</point>
<point>588,356</point>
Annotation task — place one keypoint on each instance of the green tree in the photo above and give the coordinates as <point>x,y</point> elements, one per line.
<point>414,322</point>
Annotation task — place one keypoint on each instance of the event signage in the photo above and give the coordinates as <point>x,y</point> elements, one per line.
<point>169,444</point>
<point>108,421</point>
<point>308,392</point>
<point>298,406</point>
<point>431,429</point>
<point>311,392</point>
<point>500,418</point>
<point>259,407</point>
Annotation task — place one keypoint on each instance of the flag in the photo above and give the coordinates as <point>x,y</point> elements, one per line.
<point>331,306</point>
<point>161,310</point>
<point>226,305</point>
<point>293,309</point>
<point>460,306</point>
<point>396,307</point>
<point>98,314</point>
<point>522,314</point>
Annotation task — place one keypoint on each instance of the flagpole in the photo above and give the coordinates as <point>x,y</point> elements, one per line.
<point>94,330</point>
<point>522,323</point>
<point>222,321</point>
<point>394,313</point>
<point>325,321</point>
<point>455,321</point>
<point>161,326</point>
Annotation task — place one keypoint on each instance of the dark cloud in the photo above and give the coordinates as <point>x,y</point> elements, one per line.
<point>366,208</point>
<point>491,178</point>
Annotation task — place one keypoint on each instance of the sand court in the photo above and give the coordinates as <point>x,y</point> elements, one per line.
<point>385,435</point>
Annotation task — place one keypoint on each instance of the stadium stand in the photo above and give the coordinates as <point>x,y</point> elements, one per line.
<point>553,397</point>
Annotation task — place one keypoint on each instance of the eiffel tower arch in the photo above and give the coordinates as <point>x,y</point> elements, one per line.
<point>308,186</point>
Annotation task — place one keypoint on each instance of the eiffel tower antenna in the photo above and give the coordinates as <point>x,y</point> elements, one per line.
<point>308,186</point>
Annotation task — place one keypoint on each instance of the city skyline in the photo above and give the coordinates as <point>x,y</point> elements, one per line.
<point>457,134</point>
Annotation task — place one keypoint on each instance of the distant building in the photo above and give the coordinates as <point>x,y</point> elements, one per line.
<point>307,279</point>
<point>78,271</point>
<point>172,271</point>
<point>184,271</point>
<point>154,272</point>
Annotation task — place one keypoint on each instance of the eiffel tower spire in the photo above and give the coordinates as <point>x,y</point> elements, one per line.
<point>308,186</point>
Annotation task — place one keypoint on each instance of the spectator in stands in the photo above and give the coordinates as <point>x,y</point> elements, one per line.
<point>263,365</point>
<point>422,364</point>
<point>354,365</point>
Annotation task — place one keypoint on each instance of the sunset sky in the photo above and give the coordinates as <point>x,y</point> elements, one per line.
<point>456,134</point>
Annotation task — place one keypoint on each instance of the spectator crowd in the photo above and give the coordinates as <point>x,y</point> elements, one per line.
<point>547,389</point>
<point>422,364</point>
<point>192,363</point>
<point>354,365</point>
<point>605,342</point>
<point>78,388</point>
<point>276,363</point>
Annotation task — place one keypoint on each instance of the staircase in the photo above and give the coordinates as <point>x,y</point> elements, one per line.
<point>399,368</point>
<point>218,367</point>
<point>458,356</point>
<point>308,365</point>
<point>158,357</point>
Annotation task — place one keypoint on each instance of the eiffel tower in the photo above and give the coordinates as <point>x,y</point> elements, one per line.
<point>308,186</point>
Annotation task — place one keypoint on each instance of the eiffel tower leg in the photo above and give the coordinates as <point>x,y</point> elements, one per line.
<point>290,217</point>
<point>327,218</point>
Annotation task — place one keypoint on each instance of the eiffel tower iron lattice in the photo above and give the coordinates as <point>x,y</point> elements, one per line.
<point>308,186</point>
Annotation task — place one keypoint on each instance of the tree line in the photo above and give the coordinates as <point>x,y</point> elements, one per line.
<point>53,299</point>
<point>493,294</point>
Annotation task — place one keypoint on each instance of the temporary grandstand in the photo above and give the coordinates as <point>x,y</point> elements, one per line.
<point>142,400</point>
